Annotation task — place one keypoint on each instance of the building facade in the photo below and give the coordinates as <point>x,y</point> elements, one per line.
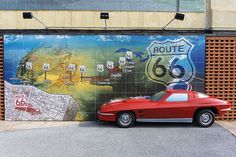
<point>65,61</point>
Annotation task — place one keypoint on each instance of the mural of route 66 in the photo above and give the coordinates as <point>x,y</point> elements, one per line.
<point>171,63</point>
<point>67,77</point>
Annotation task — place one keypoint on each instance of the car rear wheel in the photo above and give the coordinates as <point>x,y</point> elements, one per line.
<point>205,118</point>
<point>125,119</point>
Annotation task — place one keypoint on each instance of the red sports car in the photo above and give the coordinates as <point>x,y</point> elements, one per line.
<point>165,106</point>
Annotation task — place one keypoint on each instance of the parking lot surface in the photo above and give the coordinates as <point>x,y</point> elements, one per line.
<point>105,139</point>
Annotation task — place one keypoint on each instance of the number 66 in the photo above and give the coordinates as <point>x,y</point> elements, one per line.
<point>170,69</point>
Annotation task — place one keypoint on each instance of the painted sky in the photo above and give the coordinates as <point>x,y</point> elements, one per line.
<point>18,46</point>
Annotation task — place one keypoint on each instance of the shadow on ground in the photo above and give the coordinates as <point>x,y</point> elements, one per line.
<point>137,125</point>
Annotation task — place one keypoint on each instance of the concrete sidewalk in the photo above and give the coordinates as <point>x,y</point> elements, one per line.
<point>229,125</point>
<point>26,125</point>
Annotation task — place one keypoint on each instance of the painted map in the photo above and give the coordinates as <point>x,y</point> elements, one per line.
<point>67,77</point>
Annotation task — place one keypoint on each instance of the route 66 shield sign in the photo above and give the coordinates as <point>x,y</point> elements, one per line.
<point>29,65</point>
<point>170,62</point>
<point>110,64</point>
<point>82,68</point>
<point>72,67</point>
<point>46,66</point>
<point>122,60</point>
<point>129,55</point>
<point>100,67</point>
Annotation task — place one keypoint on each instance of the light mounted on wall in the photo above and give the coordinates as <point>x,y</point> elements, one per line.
<point>178,16</point>
<point>29,15</point>
<point>105,16</point>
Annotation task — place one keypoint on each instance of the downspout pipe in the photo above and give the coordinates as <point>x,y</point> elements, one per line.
<point>177,6</point>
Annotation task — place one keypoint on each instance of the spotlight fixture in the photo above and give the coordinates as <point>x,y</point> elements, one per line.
<point>178,16</point>
<point>105,17</point>
<point>29,15</point>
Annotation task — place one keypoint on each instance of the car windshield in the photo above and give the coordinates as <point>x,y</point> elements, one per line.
<point>158,96</point>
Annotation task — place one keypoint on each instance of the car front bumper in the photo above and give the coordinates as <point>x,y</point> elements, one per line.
<point>106,116</point>
<point>223,111</point>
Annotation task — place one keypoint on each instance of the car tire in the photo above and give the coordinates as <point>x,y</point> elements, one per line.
<point>125,119</point>
<point>205,118</point>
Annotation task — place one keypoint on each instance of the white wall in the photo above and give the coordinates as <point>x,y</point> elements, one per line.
<point>91,19</point>
<point>223,14</point>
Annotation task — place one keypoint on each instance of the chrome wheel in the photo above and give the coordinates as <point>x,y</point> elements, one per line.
<point>125,119</point>
<point>206,118</point>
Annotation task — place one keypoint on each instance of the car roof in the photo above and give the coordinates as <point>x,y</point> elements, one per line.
<point>179,91</point>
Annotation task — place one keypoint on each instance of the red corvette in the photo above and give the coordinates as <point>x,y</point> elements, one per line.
<point>165,106</point>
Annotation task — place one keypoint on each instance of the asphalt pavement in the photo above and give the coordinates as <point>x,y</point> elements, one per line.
<point>106,140</point>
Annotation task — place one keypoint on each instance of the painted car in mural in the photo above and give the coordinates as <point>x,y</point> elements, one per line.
<point>67,77</point>
<point>165,106</point>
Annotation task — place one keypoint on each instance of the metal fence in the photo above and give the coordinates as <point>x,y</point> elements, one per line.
<point>108,5</point>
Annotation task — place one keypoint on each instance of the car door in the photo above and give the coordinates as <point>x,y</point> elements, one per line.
<point>172,106</point>
<point>149,110</point>
<point>176,105</point>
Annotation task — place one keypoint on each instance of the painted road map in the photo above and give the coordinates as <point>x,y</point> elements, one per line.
<point>68,77</point>
<point>29,103</point>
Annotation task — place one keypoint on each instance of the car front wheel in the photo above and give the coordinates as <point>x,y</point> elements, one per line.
<point>125,119</point>
<point>205,118</point>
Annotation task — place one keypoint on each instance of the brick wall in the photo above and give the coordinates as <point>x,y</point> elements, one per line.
<point>221,71</point>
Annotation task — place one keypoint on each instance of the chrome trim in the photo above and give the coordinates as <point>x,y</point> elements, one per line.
<point>174,120</point>
<point>125,119</point>
<point>206,118</point>
<point>227,109</point>
<point>105,114</point>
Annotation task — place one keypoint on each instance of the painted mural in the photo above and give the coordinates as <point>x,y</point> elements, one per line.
<point>67,77</point>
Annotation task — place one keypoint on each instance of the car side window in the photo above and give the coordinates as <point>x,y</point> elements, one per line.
<point>177,97</point>
<point>201,95</point>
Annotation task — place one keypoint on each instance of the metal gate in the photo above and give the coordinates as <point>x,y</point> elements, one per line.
<point>221,71</point>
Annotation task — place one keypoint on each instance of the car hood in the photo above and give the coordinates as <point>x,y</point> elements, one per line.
<point>124,104</point>
<point>130,100</point>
